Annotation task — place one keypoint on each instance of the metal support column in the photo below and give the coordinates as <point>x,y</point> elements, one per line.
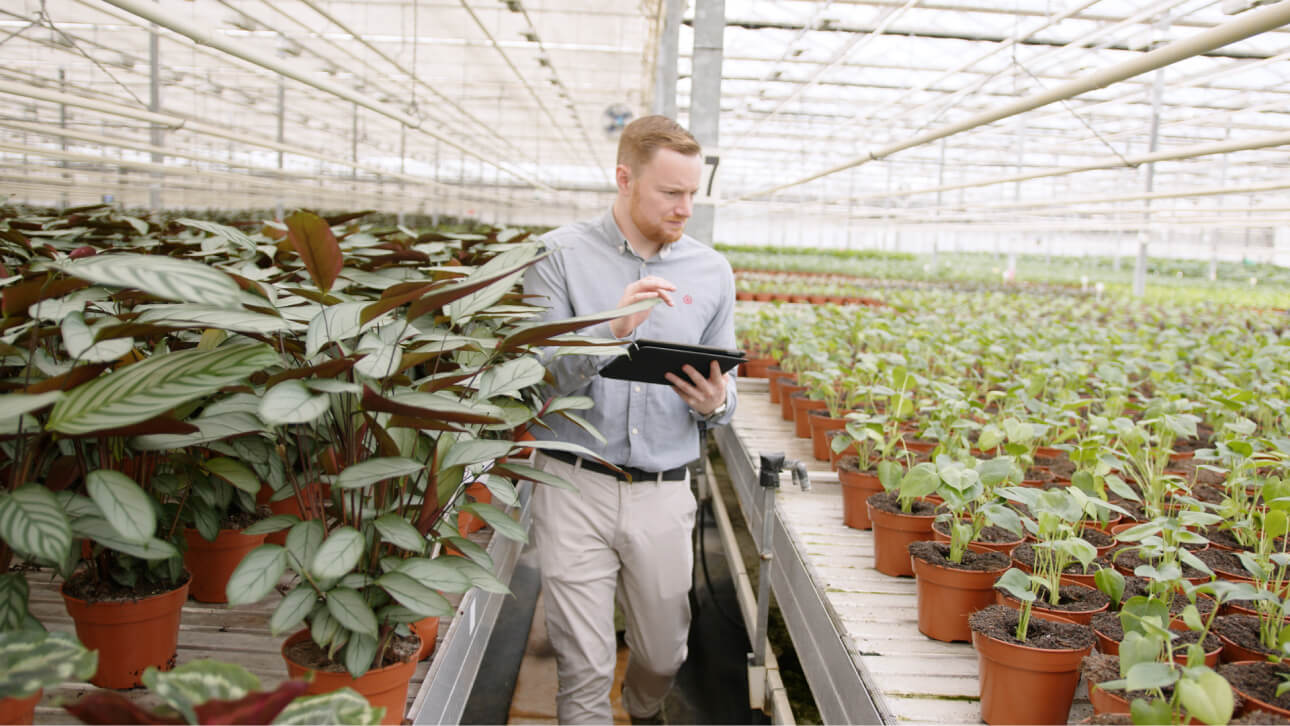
<point>1144,234</point>
<point>353,142</point>
<point>940,182</point>
<point>669,49</point>
<point>282,121</point>
<point>705,109</point>
<point>63,199</point>
<point>1213,233</point>
<point>154,105</point>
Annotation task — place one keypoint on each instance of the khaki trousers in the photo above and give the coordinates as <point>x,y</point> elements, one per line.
<point>612,537</point>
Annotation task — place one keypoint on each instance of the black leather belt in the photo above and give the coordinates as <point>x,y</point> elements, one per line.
<point>628,473</point>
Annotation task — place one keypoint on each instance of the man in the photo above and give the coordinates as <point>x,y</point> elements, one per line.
<point>615,537</point>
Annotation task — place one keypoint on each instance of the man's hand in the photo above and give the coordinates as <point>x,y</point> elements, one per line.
<point>703,395</point>
<point>643,289</point>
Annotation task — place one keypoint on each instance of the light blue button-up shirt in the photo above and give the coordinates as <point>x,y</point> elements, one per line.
<point>645,425</point>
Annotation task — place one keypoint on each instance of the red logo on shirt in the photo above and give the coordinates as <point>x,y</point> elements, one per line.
<point>687,299</point>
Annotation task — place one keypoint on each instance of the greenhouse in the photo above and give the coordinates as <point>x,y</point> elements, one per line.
<point>723,361</point>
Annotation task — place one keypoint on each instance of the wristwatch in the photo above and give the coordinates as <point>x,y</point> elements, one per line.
<point>717,412</point>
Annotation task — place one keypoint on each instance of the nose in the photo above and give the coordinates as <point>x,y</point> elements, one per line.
<point>686,206</point>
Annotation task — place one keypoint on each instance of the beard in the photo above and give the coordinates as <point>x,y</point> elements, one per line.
<point>656,231</point>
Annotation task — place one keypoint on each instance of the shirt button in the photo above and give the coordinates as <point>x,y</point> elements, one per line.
<point>636,389</point>
<point>635,431</point>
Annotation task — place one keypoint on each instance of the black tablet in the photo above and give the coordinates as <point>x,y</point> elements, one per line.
<point>648,361</point>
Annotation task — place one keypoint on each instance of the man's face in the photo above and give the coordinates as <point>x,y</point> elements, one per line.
<point>662,195</point>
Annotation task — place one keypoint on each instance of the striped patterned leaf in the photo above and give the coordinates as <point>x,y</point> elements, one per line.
<point>149,388</point>
<point>291,402</point>
<point>196,682</point>
<point>344,706</point>
<point>213,316</point>
<point>32,523</point>
<point>211,427</point>
<point>293,609</point>
<point>498,520</point>
<point>435,574</point>
<point>334,323</point>
<point>124,504</point>
<point>13,405</point>
<point>516,258</point>
<point>474,451</point>
<point>351,611</point>
<point>510,377</point>
<point>231,234</point>
<point>338,554</point>
<point>256,574</point>
<point>34,659</point>
<point>169,278</point>
<point>79,340</point>
<point>13,601</point>
<point>378,469</point>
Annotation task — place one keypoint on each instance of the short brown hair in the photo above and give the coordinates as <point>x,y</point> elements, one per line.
<point>647,134</point>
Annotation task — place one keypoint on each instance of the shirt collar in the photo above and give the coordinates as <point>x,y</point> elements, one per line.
<point>619,240</point>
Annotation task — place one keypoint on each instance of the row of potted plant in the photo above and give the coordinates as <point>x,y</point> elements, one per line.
<point>958,443</point>
<point>334,387</point>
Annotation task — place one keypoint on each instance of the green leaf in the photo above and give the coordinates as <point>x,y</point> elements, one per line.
<point>516,258</point>
<point>1137,648</point>
<point>1110,582</point>
<point>472,570</point>
<point>1156,711</point>
<point>333,324</point>
<point>233,235</point>
<point>338,554</point>
<point>196,682</point>
<point>524,471</point>
<point>1017,584</point>
<point>313,240</point>
<point>149,388</point>
<point>256,575</point>
<point>32,523</point>
<point>293,609</point>
<point>269,525</point>
<point>373,470</point>
<point>1207,696</point>
<point>124,504</point>
<point>510,377</point>
<point>1150,674</point>
<point>99,530</point>
<point>498,520</point>
<point>79,340</point>
<point>414,596</point>
<point>303,542</point>
<point>474,451</point>
<point>435,574</point>
<point>210,429</point>
<point>170,278</point>
<point>360,651</point>
<point>291,402</point>
<point>919,481</point>
<point>399,532</point>
<point>234,472</point>
<point>351,611</point>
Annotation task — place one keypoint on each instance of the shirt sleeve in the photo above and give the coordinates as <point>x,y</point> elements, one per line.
<point>547,284</point>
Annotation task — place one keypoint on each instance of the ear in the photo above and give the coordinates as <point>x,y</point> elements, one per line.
<point>623,177</point>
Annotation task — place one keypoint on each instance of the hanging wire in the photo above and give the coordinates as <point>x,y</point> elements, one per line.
<point>1067,105</point>
<point>20,31</point>
<point>43,14</point>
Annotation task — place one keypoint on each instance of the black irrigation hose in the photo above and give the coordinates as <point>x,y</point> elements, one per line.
<point>738,624</point>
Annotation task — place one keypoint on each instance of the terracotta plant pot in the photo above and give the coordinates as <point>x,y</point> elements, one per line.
<point>757,367</point>
<point>1253,703</point>
<point>129,635</point>
<point>212,563</point>
<point>1104,701</point>
<point>386,686</point>
<point>892,534</point>
<point>1082,617</point>
<point>427,629</point>
<point>778,378</point>
<point>820,428</point>
<point>786,391</point>
<point>20,711</point>
<point>857,487</point>
<point>801,406</point>
<point>1004,547</point>
<point>947,596</point>
<point>467,522</point>
<point>1025,685</point>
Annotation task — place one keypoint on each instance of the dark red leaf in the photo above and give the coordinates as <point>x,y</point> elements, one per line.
<point>390,301</point>
<point>19,297</point>
<point>68,380</point>
<point>109,707</point>
<point>446,294</point>
<point>329,370</point>
<point>313,240</point>
<point>257,707</point>
<point>373,401</point>
<point>159,425</point>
